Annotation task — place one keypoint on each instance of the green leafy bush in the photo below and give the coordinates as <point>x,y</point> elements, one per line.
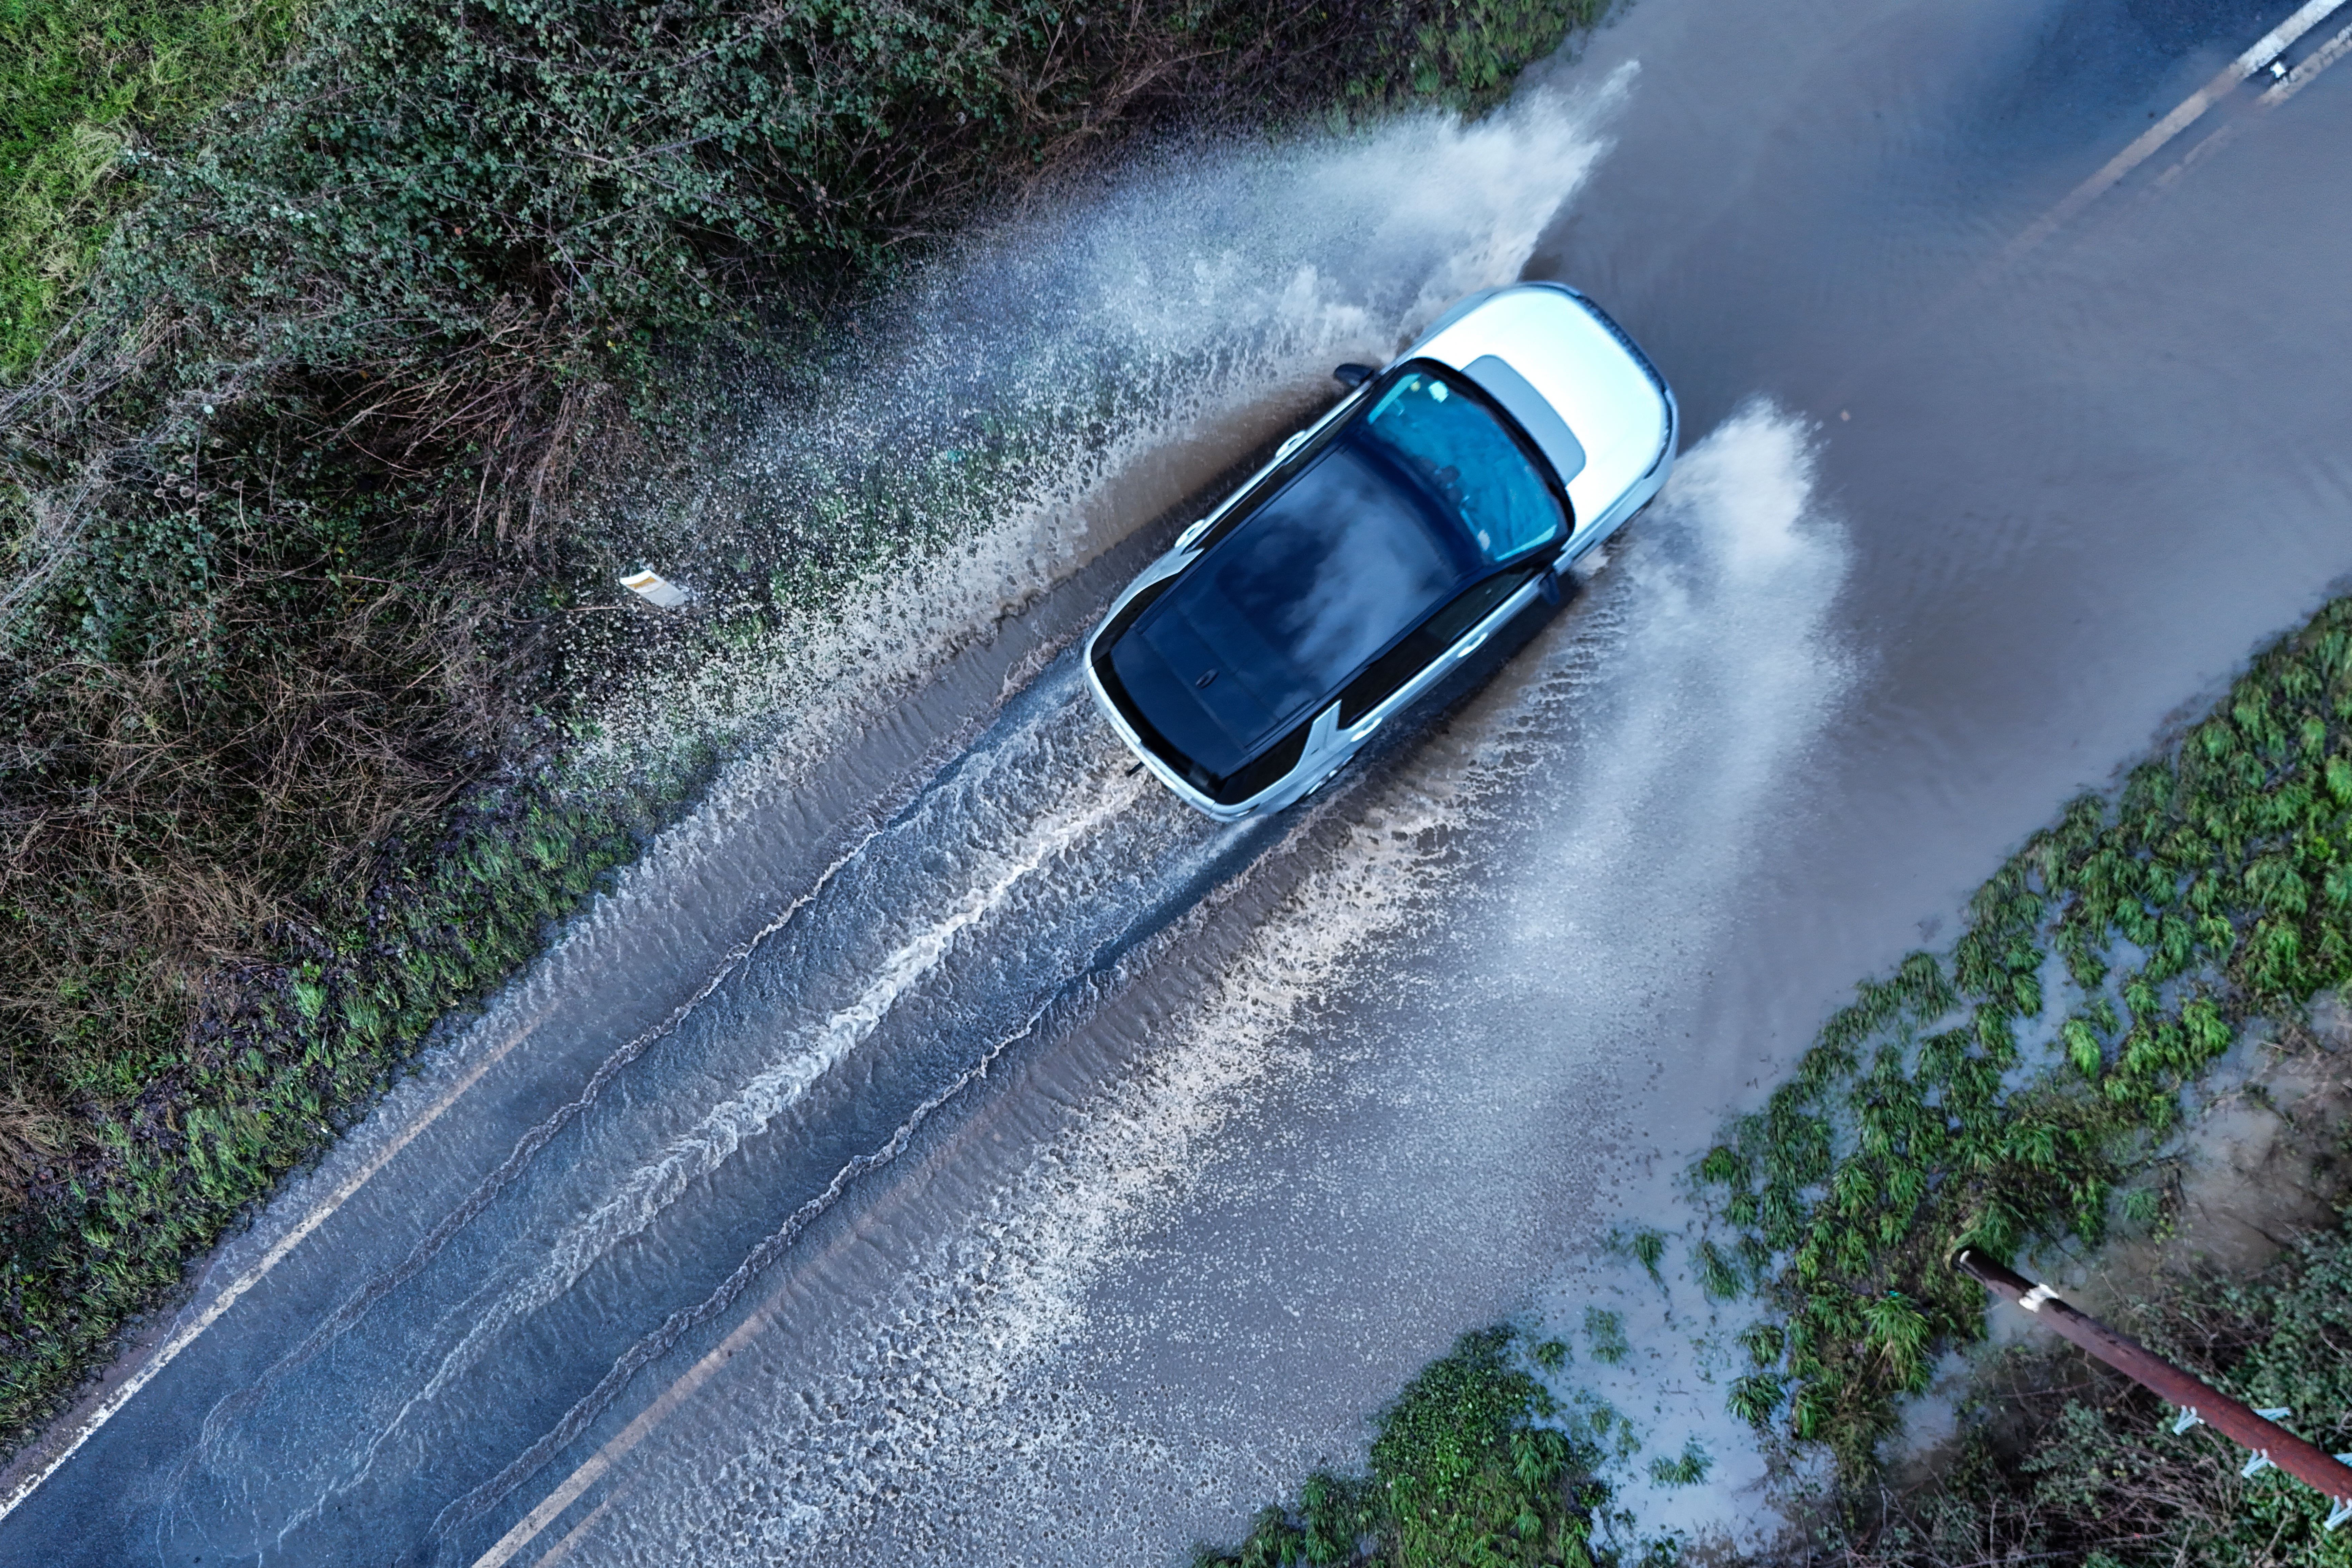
<point>1464,1471</point>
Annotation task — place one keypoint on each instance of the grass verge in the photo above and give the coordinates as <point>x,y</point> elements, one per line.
<point>1467,1467</point>
<point>86,86</point>
<point>2133,937</point>
<point>277,1060</point>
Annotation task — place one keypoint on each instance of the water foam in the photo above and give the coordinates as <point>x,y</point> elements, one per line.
<point>644,1191</point>
<point>976,1343</point>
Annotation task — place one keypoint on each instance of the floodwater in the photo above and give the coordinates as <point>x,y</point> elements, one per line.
<point>944,1148</point>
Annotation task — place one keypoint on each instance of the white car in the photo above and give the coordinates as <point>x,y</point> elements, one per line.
<point>1386,542</point>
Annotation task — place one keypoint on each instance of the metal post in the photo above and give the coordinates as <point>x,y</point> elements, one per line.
<point>2270,1443</point>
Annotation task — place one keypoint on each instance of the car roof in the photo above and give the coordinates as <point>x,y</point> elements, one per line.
<point>1279,613</point>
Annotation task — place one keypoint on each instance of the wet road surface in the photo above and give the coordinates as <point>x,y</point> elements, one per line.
<point>945,1148</point>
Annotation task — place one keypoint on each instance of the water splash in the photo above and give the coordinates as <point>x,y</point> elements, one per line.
<point>1098,336</point>
<point>1728,616</point>
<point>1697,671</point>
<point>640,1194</point>
<point>1052,353</point>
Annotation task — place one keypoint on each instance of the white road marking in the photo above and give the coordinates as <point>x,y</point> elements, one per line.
<point>529,1527</point>
<point>2151,141</point>
<point>2295,81</point>
<point>2326,55</point>
<point>187,1333</point>
<point>563,1549</point>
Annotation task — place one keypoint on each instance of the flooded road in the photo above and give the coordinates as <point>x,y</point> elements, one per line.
<point>944,1148</point>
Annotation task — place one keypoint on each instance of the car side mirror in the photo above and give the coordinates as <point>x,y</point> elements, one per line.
<point>1352,376</point>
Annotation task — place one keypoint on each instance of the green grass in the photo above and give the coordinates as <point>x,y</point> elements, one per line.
<point>86,86</point>
<point>1688,1468</point>
<point>1467,1468</point>
<point>1604,1335</point>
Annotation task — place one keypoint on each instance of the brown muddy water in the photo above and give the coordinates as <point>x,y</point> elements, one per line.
<point>944,1148</point>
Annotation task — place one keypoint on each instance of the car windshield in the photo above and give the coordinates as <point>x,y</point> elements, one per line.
<point>1468,463</point>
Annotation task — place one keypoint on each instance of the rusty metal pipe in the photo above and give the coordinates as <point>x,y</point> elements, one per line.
<point>2269,1442</point>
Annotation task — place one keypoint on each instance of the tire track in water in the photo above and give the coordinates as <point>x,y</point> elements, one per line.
<point>1137,1148</point>
<point>356,1308</point>
<point>1203,882</point>
<point>646,1191</point>
<point>1207,866</point>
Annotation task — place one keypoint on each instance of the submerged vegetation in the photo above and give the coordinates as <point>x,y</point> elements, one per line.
<point>2135,936</point>
<point>2019,1089</point>
<point>291,495</point>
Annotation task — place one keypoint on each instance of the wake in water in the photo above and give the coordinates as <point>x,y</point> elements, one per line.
<point>996,843</point>
<point>643,1192</point>
<point>1111,329</point>
<point>1652,729</point>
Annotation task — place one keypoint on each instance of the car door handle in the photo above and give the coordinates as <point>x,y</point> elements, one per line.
<point>1466,649</point>
<point>1290,446</point>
